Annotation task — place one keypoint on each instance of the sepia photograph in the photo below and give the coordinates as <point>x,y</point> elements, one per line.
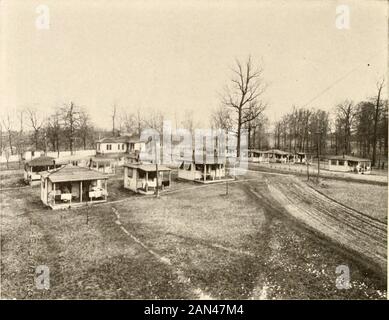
<point>198,150</point>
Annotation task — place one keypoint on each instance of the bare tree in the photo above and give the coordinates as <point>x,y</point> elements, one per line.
<point>128,121</point>
<point>7,124</point>
<point>70,115</point>
<point>53,130</point>
<point>85,127</point>
<point>154,120</point>
<point>254,112</point>
<point>242,94</point>
<point>36,123</point>
<point>346,112</point>
<point>221,119</point>
<point>114,109</point>
<point>380,86</point>
<point>189,122</point>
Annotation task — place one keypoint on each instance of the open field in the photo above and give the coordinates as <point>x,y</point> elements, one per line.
<point>378,177</point>
<point>194,242</point>
<point>371,200</point>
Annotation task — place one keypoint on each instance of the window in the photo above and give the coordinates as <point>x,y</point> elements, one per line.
<point>333,162</point>
<point>123,146</point>
<point>341,162</point>
<point>142,174</point>
<point>130,172</point>
<point>118,146</point>
<point>109,147</point>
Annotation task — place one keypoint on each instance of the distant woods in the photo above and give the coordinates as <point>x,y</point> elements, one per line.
<point>358,128</point>
<point>350,127</point>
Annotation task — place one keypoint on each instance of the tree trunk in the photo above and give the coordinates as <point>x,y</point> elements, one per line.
<point>238,138</point>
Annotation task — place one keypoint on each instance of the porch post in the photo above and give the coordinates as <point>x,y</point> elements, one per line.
<point>170,178</point>
<point>205,171</point>
<point>54,192</point>
<point>47,191</point>
<point>105,187</point>
<point>80,191</point>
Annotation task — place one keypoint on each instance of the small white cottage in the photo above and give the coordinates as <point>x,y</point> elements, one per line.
<point>142,178</point>
<point>204,171</point>
<point>349,164</point>
<point>33,168</point>
<point>103,164</point>
<point>73,186</point>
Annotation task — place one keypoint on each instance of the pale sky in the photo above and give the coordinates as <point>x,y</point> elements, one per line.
<point>176,55</point>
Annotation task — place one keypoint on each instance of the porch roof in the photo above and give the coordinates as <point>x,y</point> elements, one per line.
<point>103,159</point>
<point>74,157</point>
<point>278,152</point>
<point>349,158</point>
<point>73,173</point>
<point>147,167</point>
<point>41,161</point>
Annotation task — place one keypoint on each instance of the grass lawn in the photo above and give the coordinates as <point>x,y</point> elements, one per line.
<point>367,198</point>
<point>192,243</point>
<point>11,179</point>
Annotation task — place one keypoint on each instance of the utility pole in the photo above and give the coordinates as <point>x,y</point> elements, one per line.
<point>156,168</point>
<point>318,133</point>
<point>307,162</point>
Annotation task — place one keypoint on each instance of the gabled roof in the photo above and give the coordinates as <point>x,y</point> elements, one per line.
<point>257,151</point>
<point>348,158</point>
<point>122,139</point>
<point>277,151</point>
<point>70,173</point>
<point>41,161</point>
<point>147,167</point>
<point>68,159</point>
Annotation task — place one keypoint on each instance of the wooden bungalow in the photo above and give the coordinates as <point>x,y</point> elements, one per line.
<point>349,164</point>
<point>75,160</point>
<point>142,178</point>
<point>33,168</point>
<point>255,155</point>
<point>300,158</point>
<point>273,155</point>
<point>103,164</point>
<point>205,170</point>
<point>73,186</point>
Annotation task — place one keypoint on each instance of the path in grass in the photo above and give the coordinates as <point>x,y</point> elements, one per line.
<point>237,246</point>
<point>193,243</point>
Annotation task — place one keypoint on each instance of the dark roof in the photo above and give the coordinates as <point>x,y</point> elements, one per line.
<point>257,151</point>
<point>41,161</point>
<point>73,173</point>
<point>121,139</point>
<point>111,155</point>
<point>103,159</point>
<point>68,159</point>
<point>348,158</point>
<point>276,151</point>
<point>147,167</point>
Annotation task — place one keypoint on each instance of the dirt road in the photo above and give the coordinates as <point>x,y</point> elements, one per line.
<point>351,229</point>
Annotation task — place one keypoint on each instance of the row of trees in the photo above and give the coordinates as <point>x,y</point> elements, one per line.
<point>242,105</point>
<point>70,127</point>
<point>363,127</point>
<point>351,128</point>
<point>67,127</point>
